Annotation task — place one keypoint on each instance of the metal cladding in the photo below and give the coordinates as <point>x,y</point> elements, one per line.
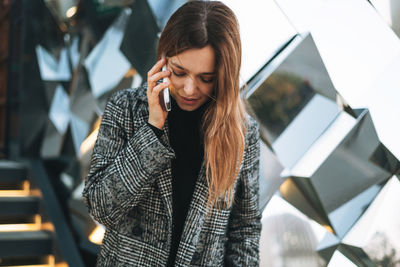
<point>334,162</point>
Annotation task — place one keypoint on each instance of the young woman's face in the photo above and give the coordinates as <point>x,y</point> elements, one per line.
<point>192,77</point>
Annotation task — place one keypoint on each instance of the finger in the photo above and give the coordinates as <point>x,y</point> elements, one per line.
<point>156,67</point>
<point>159,87</point>
<point>158,76</point>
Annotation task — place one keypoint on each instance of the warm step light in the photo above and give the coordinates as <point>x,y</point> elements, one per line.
<point>25,191</point>
<point>97,235</point>
<point>50,263</point>
<point>21,227</point>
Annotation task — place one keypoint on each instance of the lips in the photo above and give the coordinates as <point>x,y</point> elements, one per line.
<point>189,101</point>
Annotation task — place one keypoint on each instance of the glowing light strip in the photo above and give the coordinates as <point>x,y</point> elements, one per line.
<point>89,142</point>
<point>22,227</point>
<point>97,235</point>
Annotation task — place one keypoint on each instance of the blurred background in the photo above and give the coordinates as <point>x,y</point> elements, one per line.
<point>320,76</point>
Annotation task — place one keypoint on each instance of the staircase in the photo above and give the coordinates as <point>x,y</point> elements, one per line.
<point>27,238</point>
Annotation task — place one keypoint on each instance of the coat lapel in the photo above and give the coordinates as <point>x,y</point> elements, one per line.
<point>194,221</point>
<point>164,181</point>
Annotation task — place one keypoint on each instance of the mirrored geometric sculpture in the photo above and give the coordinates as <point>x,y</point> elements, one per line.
<point>79,131</point>
<point>270,178</point>
<point>106,65</point>
<point>288,237</point>
<point>335,180</point>
<point>139,44</point>
<point>377,233</point>
<point>83,112</point>
<point>52,141</point>
<point>338,259</point>
<point>293,98</point>
<point>50,68</point>
<point>74,52</point>
<point>331,153</point>
<point>59,112</point>
<point>361,53</point>
<point>374,238</point>
<point>330,247</point>
<point>162,10</point>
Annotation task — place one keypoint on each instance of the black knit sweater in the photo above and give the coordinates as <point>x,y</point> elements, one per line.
<point>186,139</point>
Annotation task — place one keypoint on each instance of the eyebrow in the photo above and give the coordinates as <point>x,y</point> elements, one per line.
<point>182,68</point>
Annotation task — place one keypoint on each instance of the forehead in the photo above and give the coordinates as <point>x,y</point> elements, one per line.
<point>195,60</point>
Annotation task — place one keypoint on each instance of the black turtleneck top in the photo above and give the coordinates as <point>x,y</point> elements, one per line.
<point>186,140</point>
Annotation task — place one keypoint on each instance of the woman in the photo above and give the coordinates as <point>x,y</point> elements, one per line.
<point>180,188</point>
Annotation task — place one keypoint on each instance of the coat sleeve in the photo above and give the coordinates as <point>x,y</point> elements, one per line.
<point>122,168</point>
<point>242,246</point>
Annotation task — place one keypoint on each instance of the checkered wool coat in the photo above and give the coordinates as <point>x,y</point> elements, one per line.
<point>129,190</point>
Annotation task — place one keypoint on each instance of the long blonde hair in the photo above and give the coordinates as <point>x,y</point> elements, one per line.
<point>195,25</point>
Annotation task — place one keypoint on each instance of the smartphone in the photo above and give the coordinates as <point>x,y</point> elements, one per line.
<point>165,93</point>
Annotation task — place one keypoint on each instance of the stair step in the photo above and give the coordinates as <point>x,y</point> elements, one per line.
<point>19,206</point>
<point>26,244</point>
<point>25,262</point>
<point>12,172</point>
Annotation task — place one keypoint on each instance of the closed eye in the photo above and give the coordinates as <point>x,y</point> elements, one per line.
<point>203,79</point>
<point>178,74</point>
<point>209,80</point>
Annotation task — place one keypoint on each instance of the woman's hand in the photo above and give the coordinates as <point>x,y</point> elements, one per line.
<point>157,111</point>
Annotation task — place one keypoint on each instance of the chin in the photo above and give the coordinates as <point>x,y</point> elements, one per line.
<point>187,107</point>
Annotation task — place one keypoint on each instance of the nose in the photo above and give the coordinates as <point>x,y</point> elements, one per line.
<point>190,86</point>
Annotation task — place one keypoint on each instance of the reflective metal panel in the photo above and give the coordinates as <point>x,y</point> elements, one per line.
<point>270,178</point>
<point>52,142</point>
<point>354,51</point>
<point>304,130</point>
<point>139,43</point>
<point>79,131</point>
<point>288,238</point>
<point>263,29</point>
<point>106,65</point>
<point>294,99</point>
<point>74,52</point>
<point>327,247</point>
<point>163,9</point>
<point>361,54</point>
<point>338,259</point>
<point>390,12</point>
<point>50,68</point>
<point>337,191</point>
<point>377,232</point>
<point>59,112</point>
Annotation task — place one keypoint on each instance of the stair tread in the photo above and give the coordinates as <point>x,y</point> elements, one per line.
<point>26,244</point>
<point>12,172</point>
<point>19,199</point>
<point>19,205</point>
<point>25,235</point>
<point>7,164</point>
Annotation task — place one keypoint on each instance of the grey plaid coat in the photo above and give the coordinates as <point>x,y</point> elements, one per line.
<point>129,190</point>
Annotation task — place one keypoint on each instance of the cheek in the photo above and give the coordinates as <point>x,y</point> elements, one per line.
<point>177,82</point>
<point>207,89</point>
